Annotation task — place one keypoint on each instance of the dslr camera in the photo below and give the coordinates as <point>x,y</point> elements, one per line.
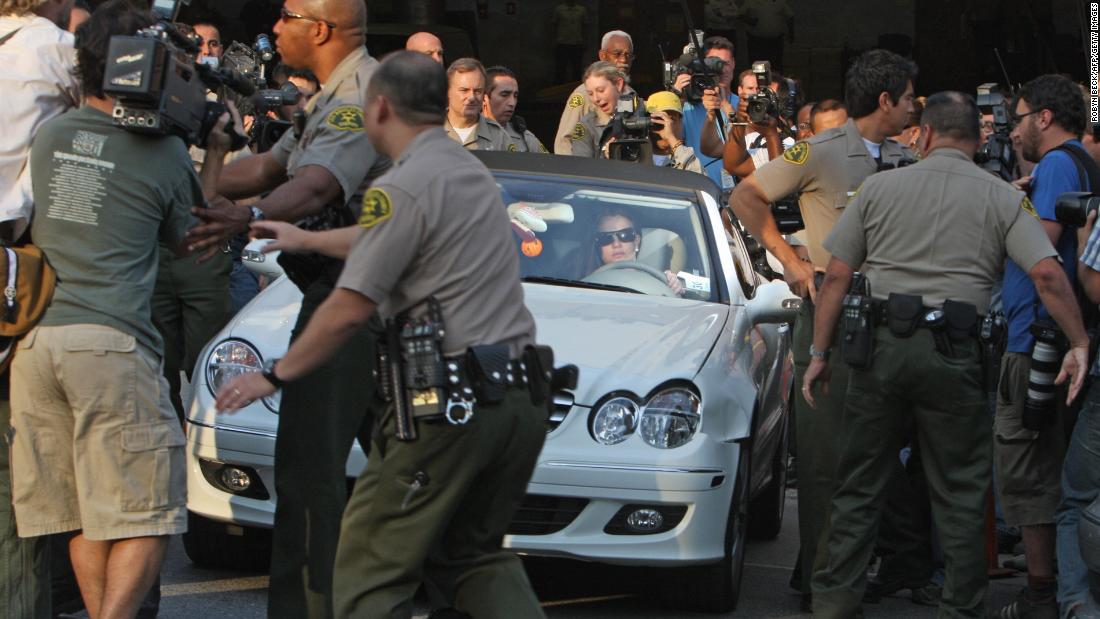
<point>704,72</point>
<point>158,86</point>
<point>996,155</point>
<point>1073,207</point>
<point>768,105</point>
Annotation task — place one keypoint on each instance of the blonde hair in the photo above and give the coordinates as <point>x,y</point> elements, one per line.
<point>607,70</point>
<point>19,7</point>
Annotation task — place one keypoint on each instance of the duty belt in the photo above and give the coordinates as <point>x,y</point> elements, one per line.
<point>460,387</point>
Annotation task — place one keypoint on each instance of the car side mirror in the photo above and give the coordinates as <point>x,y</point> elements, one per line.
<point>773,303</point>
<point>255,260</point>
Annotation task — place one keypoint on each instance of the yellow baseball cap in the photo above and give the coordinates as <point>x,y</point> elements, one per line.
<point>663,101</point>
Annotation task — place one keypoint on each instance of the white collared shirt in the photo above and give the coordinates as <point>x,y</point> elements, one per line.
<point>38,81</point>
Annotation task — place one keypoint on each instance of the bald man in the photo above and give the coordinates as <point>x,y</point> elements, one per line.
<point>317,178</point>
<point>426,43</point>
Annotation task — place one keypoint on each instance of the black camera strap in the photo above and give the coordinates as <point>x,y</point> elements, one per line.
<point>1088,173</point>
<point>7,37</point>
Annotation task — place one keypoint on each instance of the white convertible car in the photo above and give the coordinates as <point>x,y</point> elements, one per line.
<point>671,450</point>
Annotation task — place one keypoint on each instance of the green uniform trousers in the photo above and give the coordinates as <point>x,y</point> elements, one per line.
<point>24,563</point>
<point>911,382</point>
<point>190,305</point>
<point>818,434</point>
<point>320,416</point>
<point>448,528</point>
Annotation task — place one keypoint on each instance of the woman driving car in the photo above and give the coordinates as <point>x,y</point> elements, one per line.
<point>617,240</point>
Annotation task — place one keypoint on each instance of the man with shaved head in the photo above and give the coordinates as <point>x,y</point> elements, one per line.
<point>317,177</point>
<point>426,43</point>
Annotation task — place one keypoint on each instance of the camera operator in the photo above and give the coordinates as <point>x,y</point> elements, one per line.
<point>827,169</point>
<point>667,135</point>
<point>211,46</point>
<point>700,128</point>
<point>36,74</point>
<point>501,98</point>
<point>1049,114</point>
<point>317,175</point>
<point>90,409</point>
<point>750,144</point>
<point>616,47</point>
<point>606,86</point>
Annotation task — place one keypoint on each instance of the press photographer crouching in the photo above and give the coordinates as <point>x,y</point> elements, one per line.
<point>96,446</point>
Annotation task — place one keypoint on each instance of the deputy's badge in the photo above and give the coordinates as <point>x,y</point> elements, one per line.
<point>797,154</point>
<point>377,208</point>
<point>346,118</point>
<point>578,132</point>
<point>1029,208</point>
<point>576,100</point>
<point>512,148</point>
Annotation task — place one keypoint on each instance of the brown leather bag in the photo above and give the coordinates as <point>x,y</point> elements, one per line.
<point>29,282</point>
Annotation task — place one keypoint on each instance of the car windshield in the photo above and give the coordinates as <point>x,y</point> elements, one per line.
<point>584,233</point>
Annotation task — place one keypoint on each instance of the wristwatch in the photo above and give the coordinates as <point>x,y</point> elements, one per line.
<point>269,373</point>
<point>257,213</point>
<point>819,354</point>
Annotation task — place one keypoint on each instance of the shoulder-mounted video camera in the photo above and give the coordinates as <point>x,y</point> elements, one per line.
<point>704,71</point>
<point>158,86</point>
<point>996,155</point>
<point>630,126</point>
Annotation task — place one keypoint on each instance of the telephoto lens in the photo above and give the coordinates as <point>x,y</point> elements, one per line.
<point>1039,406</point>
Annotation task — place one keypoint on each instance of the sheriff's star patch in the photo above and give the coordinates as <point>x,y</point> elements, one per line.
<point>377,207</point>
<point>512,148</point>
<point>542,149</point>
<point>797,154</point>
<point>346,118</point>
<point>576,100</point>
<point>1029,208</point>
<point>578,132</point>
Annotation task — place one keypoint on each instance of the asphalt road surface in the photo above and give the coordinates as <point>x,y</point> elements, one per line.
<point>568,589</point>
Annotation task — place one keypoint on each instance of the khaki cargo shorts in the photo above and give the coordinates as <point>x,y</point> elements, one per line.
<point>95,443</point>
<point>1028,463</point>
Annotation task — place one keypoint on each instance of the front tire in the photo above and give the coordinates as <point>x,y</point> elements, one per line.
<point>715,588</point>
<point>208,543</point>
<point>766,510</point>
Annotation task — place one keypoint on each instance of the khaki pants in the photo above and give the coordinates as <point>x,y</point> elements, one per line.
<point>447,528</point>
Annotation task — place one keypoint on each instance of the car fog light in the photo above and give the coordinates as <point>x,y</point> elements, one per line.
<point>235,479</point>
<point>615,421</point>
<point>645,520</point>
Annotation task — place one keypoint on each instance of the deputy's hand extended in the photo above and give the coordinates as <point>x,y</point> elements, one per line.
<point>799,275</point>
<point>1075,365</point>
<point>288,237</point>
<point>220,220</point>
<point>242,391</point>
<point>818,371</point>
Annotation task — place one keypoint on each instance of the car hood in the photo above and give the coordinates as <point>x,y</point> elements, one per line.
<point>624,341</point>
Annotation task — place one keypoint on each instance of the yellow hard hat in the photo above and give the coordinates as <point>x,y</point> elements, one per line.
<point>663,101</point>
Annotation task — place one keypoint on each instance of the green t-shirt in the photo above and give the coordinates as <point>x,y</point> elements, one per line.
<point>104,197</point>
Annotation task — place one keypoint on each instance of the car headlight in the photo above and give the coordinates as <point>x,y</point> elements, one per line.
<point>615,421</point>
<point>229,360</point>
<point>670,418</point>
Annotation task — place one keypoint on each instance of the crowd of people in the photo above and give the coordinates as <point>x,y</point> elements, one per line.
<point>900,430</point>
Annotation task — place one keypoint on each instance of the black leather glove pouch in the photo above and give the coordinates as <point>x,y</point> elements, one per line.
<point>487,368</point>
<point>903,313</point>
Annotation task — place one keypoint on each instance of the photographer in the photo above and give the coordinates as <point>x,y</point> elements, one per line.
<point>751,144</point>
<point>826,169</point>
<point>317,177</point>
<point>96,446</point>
<point>700,127</point>
<point>36,74</point>
<point>1049,115</point>
<point>667,135</point>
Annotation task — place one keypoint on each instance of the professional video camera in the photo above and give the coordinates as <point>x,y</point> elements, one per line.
<point>158,86</point>
<point>1073,207</point>
<point>630,127</point>
<point>996,155</point>
<point>704,71</point>
<point>250,63</point>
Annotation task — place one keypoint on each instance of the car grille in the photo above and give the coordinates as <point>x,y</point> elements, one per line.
<point>543,515</point>
<point>563,403</point>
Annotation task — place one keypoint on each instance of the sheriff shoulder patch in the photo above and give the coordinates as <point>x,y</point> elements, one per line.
<point>345,118</point>
<point>1029,208</point>
<point>542,149</point>
<point>797,154</point>
<point>377,207</point>
<point>578,132</point>
<point>512,148</point>
<point>576,100</point>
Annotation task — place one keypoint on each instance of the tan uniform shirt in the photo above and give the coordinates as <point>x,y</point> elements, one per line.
<point>940,228</point>
<point>576,107</point>
<point>525,142</point>
<point>488,136</point>
<point>415,244</point>
<point>333,137</point>
<point>827,169</point>
<point>586,134</point>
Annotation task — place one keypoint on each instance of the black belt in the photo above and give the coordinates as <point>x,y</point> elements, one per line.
<point>880,313</point>
<point>459,389</point>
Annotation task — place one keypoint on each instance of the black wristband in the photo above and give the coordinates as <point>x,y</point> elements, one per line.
<point>269,374</point>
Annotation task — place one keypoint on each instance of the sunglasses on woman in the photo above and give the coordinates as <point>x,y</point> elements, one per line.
<point>626,235</point>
